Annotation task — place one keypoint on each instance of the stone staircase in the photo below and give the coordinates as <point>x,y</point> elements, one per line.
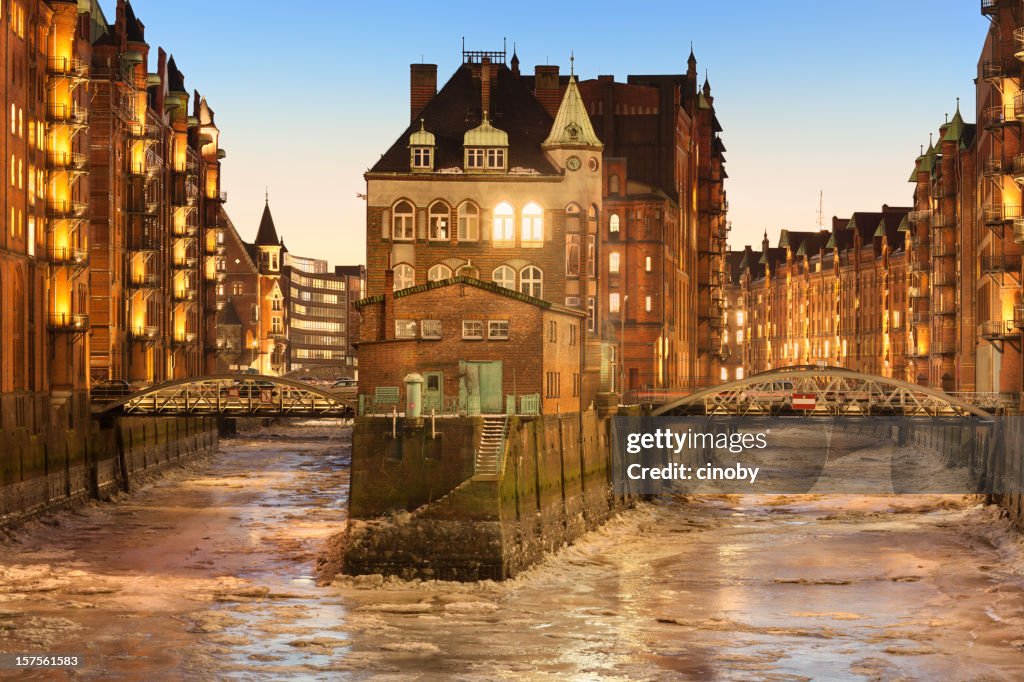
<point>488,451</point>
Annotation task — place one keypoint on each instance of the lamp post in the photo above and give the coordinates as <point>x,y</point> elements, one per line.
<point>622,344</point>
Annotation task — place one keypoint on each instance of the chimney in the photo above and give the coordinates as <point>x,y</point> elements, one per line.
<point>387,313</point>
<point>547,89</point>
<point>485,85</point>
<point>422,87</point>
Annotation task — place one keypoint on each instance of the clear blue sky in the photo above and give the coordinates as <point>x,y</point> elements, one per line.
<point>813,95</point>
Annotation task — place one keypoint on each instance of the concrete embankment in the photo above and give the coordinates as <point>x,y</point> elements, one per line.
<point>420,509</point>
<point>61,468</point>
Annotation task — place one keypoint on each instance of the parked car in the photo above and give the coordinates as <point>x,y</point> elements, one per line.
<point>251,388</point>
<point>345,383</point>
<point>110,390</point>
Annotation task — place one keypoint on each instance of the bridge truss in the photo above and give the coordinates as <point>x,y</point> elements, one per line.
<point>827,391</point>
<point>233,394</point>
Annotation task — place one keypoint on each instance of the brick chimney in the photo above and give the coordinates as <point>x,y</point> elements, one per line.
<point>485,85</point>
<point>422,87</point>
<point>546,88</point>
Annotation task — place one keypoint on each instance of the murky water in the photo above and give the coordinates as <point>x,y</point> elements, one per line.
<point>207,574</point>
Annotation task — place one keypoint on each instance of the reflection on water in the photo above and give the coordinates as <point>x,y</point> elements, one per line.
<point>207,574</point>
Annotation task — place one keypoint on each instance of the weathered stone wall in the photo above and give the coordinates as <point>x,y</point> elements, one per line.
<point>554,487</point>
<point>39,473</point>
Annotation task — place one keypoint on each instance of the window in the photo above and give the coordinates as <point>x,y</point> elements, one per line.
<point>504,276</point>
<point>553,331</point>
<point>504,223</point>
<point>405,329</point>
<point>591,254</point>
<point>613,303</point>
<point>647,264</point>
<point>739,372</point>
<point>724,374</point>
<point>403,222</point>
<point>469,222</point>
<point>613,184</point>
<point>497,329</point>
<point>591,314</point>
<point>739,336</point>
<point>533,223</point>
<point>275,325</point>
<point>553,384</point>
<point>613,263</point>
<point>405,277</point>
<point>572,335</point>
<point>438,223</point>
<point>647,304</point>
<point>531,281</point>
<point>495,158</point>
<point>421,157</point>
<point>739,316</point>
<point>613,223</point>
<point>474,158</point>
<point>430,329</point>
<point>572,255</point>
<point>472,329</point>
<point>438,273</point>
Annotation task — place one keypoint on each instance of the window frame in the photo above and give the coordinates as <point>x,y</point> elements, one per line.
<point>473,337</point>
<point>436,267</point>
<point>468,220</point>
<point>507,221</point>
<point>491,336</point>
<point>427,329</point>
<point>411,278</point>
<point>432,216</point>
<point>532,224</point>
<point>397,217</point>
<point>531,282</point>
<point>499,282</point>
<point>407,326</point>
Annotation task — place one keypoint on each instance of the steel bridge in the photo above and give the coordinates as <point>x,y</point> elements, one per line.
<point>820,391</point>
<point>233,394</point>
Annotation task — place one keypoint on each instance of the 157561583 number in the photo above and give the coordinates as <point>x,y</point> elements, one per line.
<point>23,661</point>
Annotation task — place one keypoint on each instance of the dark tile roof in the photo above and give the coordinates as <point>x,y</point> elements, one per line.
<point>267,234</point>
<point>456,108</point>
<point>134,28</point>
<point>229,316</point>
<point>175,78</point>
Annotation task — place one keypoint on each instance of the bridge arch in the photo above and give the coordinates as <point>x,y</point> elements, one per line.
<point>836,391</point>
<point>238,394</point>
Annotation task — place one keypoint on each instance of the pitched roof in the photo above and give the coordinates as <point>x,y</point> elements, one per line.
<point>134,29</point>
<point>267,234</point>
<point>572,125</point>
<point>456,108</point>
<point>175,78</point>
<point>229,316</point>
<point>473,282</point>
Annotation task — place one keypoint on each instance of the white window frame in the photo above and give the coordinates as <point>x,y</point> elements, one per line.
<point>439,272</point>
<point>405,276</point>
<point>473,330</point>
<point>496,158</point>
<point>614,303</point>
<point>476,157</point>
<point>469,222</point>
<point>613,263</point>
<point>499,278</point>
<point>504,224</point>
<point>613,222</point>
<point>531,281</point>
<point>435,220</point>
<point>423,157</point>
<point>403,224</point>
<point>405,329</point>
<point>492,334</point>
<point>430,329</point>
<point>532,223</point>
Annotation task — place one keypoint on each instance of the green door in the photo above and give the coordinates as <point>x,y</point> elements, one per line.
<point>490,387</point>
<point>433,392</point>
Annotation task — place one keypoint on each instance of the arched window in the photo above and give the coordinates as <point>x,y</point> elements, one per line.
<point>440,219</point>
<point>613,222</point>
<point>533,223</point>
<point>531,281</point>
<point>439,272</point>
<point>403,222</point>
<point>613,262</point>
<point>504,276</point>
<point>405,276</point>
<point>504,223</point>
<point>469,222</point>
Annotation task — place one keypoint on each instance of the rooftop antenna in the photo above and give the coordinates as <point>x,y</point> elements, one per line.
<point>572,63</point>
<point>821,210</point>
<point>266,194</point>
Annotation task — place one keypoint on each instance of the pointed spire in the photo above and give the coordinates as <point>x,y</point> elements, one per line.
<point>692,59</point>
<point>515,60</point>
<point>267,234</point>
<point>707,84</point>
<point>955,130</point>
<point>572,124</point>
<point>572,63</point>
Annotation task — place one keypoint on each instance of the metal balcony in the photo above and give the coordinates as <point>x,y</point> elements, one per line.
<point>989,7</point>
<point>71,114</point>
<point>145,169</point>
<point>1018,316</point>
<point>147,208</point>
<point>144,333</point>
<point>993,167</point>
<point>1018,231</point>
<point>994,265</point>
<point>1018,38</point>
<point>67,322</point>
<point>144,243</point>
<point>943,279</point>
<point>920,317</point>
<point>943,348</point>
<point>999,329</point>
<point>917,352</point>
<point>65,210</point>
<point>65,256</point>
<point>997,116</point>
<point>149,130</point>
<point>186,229</point>
<point>917,292</point>
<point>144,281</point>
<point>186,263</point>
<point>185,339</point>
<point>919,216</point>
<point>993,70</point>
<point>67,161</point>
<point>996,215</point>
<point>940,249</point>
<point>917,266</point>
<point>67,66</point>
<point>184,295</point>
<point>943,220</point>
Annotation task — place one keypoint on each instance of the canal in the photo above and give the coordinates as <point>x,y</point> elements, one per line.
<point>208,572</point>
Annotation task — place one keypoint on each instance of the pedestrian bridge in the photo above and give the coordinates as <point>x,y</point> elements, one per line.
<point>825,391</point>
<point>233,394</point>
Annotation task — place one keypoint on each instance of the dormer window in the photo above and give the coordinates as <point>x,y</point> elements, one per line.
<point>421,149</point>
<point>486,148</point>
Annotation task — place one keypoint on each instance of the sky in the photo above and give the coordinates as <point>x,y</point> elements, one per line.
<point>831,97</point>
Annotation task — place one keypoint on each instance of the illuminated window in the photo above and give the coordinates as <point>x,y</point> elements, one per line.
<point>648,264</point>
<point>533,223</point>
<point>531,281</point>
<point>613,303</point>
<point>613,223</point>
<point>237,289</point>
<point>469,222</point>
<point>439,272</point>
<point>613,262</point>
<point>739,372</point>
<point>739,336</point>
<point>647,304</point>
<point>739,317</point>
<point>495,159</point>
<point>438,221</point>
<point>403,222</point>
<point>504,276</point>
<point>504,223</point>
<point>405,276</point>
<point>724,374</point>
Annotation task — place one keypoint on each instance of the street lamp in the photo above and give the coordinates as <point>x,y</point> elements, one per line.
<point>622,344</point>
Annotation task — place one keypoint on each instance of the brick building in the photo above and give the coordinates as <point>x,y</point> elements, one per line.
<point>476,344</point>
<point>155,210</point>
<point>835,297</point>
<point>663,239</point>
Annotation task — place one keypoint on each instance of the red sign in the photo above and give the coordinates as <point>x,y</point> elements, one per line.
<point>804,401</point>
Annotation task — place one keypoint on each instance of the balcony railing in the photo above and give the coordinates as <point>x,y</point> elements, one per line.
<point>920,317</point>
<point>67,113</point>
<point>221,197</point>
<point>917,352</point>
<point>144,333</point>
<point>989,7</point>
<point>993,69</point>
<point>995,215</point>
<point>992,265</point>
<point>1018,37</point>
<point>67,66</point>
<point>184,295</point>
<point>147,130</point>
<point>147,168</point>
<point>1018,231</point>
<point>993,167</point>
<point>941,278</point>
<point>941,249</point>
<point>943,348</point>
<point>186,263</point>
<point>68,256</point>
<point>67,322</point>
<point>65,209</point>
<point>999,329</point>
<point>144,281</point>
<point>185,339</point>
<point>67,160</point>
<point>942,220</point>
<point>1018,316</point>
<point>144,242</point>
<point>185,229</point>
<point>920,215</point>
<point>917,292</point>
<point>917,266</point>
<point>999,115</point>
<point>147,207</point>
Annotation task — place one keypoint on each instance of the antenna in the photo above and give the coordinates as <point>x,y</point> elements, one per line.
<point>821,210</point>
